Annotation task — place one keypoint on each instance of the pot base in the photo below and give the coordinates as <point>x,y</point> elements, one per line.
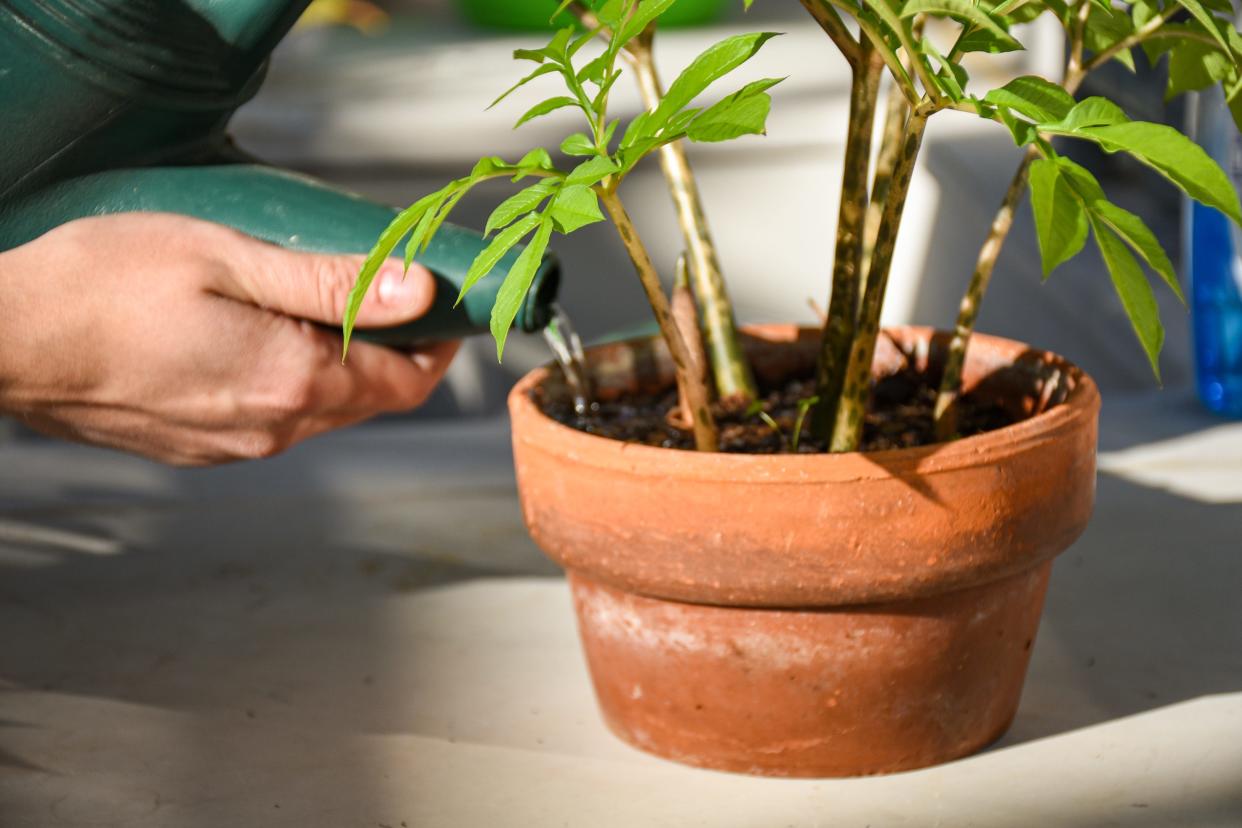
<point>843,691</point>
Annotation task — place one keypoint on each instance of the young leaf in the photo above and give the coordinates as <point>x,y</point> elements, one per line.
<point>575,206</point>
<point>422,230</point>
<point>392,235</point>
<point>1060,221</point>
<point>536,159</point>
<point>715,62</point>
<point>1040,100</point>
<point>952,76</point>
<point>544,107</point>
<point>967,12</point>
<point>494,252</point>
<point>544,69</point>
<point>744,112</point>
<point>592,171</point>
<point>520,203</point>
<point>1134,291</point>
<point>578,144</point>
<point>513,291</point>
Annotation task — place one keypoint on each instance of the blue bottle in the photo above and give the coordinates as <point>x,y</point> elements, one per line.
<point>1213,252</point>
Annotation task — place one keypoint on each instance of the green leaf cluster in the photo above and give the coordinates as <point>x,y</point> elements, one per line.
<point>564,201</point>
<point>1068,203</point>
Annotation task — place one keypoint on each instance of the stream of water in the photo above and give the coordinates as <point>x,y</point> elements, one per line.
<point>566,346</point>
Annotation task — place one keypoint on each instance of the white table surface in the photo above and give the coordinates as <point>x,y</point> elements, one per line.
<point>360,634</point>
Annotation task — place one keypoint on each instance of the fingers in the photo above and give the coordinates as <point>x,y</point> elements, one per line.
<point>376,380</point>
<point>316,286</point>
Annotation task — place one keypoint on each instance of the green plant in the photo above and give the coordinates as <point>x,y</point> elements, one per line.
<point>926,77</point>
<point>564,201</point>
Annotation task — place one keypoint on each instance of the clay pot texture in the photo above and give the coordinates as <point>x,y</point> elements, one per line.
<point>813,615</point>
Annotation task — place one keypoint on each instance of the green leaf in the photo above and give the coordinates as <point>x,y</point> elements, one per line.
<point>1060,221</point>
<point>1174,156</point>
<point>1040,100</point>
<point>967,12</point>
<point>715,62</point>
<point>575,206</point>
<point>636,129</point>
<point>494,252</point>
<point>1024,132</point>
<point>520,203</point>
<point>544,107</point>
<point>1106,27</point>
<point>978,40</point>
<point>537,159</point>
<point>595,69</point>
<point>558,47</point>
<point>1134,291</point>
<point>745,112</point>
<point>578,144</point>
<point>422,229</point>
<point>1198,12</point>
<point>598,101</point>
<point>1131,229</point>
<point>952,76</point>
<point>545,69</point>
<point>646,12</point>
<point>592,171</point>
<point>392,235</point>
<point>517,283</point>
<point>1195,65</point>
<point>609,131</point>
<point>1089,112</point>
<point>529,54</point>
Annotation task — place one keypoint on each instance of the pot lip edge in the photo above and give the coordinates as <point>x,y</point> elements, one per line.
<point>1082,403</point>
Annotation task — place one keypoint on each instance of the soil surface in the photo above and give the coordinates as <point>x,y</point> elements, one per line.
<point>900,416</point>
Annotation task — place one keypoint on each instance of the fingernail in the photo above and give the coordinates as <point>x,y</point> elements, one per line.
<point>395,289</point>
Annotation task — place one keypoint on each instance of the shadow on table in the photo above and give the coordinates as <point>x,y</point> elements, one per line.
<point>261,600</point>
<point>1142,612</point>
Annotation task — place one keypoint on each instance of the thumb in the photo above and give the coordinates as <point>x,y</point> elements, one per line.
<point>316,286</point>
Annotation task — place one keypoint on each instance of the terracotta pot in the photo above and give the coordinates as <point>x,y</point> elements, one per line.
<point>813,615</point>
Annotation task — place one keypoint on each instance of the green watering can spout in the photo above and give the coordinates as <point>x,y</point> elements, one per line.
<point>123,105</point>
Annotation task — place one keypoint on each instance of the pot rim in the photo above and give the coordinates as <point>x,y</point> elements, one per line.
<point>1081,403</point>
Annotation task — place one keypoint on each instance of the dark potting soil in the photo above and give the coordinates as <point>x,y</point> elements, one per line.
<point>900,416</point>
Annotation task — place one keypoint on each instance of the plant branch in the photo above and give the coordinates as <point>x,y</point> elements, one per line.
<point>832,24</point>
<point>838,329</point>
<point>968,312</point>
<point>847,430</point>
<point>730,370</point>
<point>691,388</point>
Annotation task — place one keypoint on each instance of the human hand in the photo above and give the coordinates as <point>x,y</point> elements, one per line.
<point>187,341</point>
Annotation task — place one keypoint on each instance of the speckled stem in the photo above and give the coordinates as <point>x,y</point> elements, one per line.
<point>946,419</point>
<point>691,387</point>
<point>896,110</point>
<point>730,370</point>
<point>968,311</point>
<point>847,430</point>
<point>838,330</point>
